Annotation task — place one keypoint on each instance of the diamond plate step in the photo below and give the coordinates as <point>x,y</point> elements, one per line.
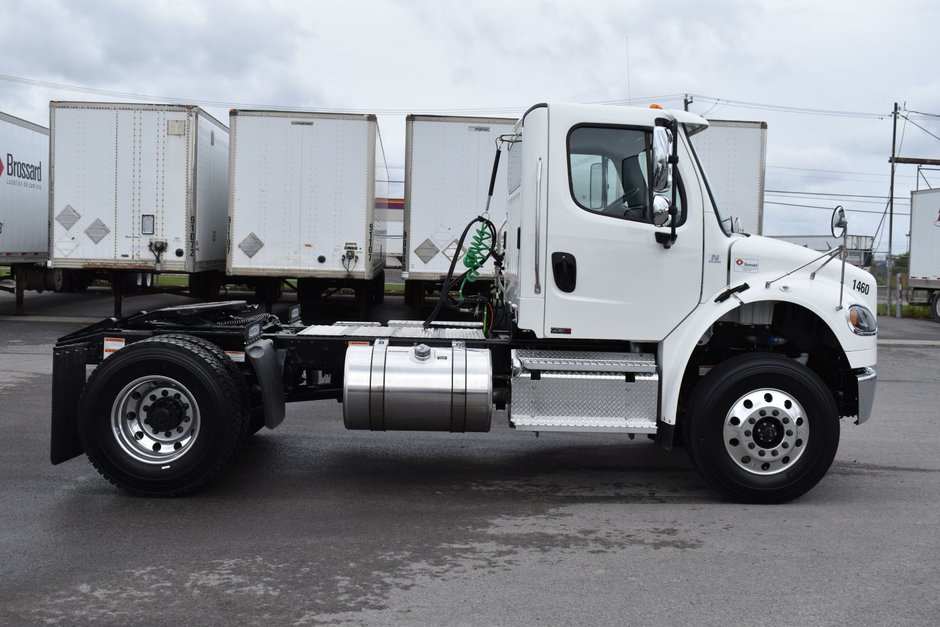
<point>586,361</point>
<point>582,401</point>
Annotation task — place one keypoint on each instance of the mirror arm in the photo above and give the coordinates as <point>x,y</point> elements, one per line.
<point>668,240</point>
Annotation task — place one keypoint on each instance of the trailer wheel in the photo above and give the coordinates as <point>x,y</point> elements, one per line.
<point>378,291</point>
<point>61,280</point>
<point>161,416</point>
<point>762,428</point>
<point>935,306</point>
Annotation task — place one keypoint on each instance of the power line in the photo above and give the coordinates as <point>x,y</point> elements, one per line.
<point>787,167</point>
<point>920,127</point>
<point>790,109</point>
<point>790,204</point>
<point>786,191</point>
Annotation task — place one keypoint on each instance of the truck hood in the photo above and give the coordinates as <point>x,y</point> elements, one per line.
<point>761,259</point>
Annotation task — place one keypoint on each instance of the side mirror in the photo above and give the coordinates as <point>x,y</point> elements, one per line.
<point>662,149</point>
<point>838,223</point>
<point>736,226</point>
<point>660,210</point>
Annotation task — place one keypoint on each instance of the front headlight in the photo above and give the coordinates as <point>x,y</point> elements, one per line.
<point>861,321</point>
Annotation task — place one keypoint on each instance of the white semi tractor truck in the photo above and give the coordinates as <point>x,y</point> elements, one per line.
<point>622,306</point>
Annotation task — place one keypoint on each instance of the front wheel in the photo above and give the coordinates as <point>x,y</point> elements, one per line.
<point>161,416</point>
<point>762,428</point>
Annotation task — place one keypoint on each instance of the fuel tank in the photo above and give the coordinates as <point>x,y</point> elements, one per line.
<point>417,388</point>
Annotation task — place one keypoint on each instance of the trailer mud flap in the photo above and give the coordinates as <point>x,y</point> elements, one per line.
<point>68,379</point>
<point>263,359</point>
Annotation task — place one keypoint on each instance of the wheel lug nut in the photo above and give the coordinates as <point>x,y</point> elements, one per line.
<point>733,442</point>
<point>153,397</point>
<point>750,445</point>
<point>785,445</point>
<point>747,434</point>
<point>785,420</point>
<point>773,453</point>
<point>139,435</point>
<point>798,443</point>
<point>789,432</point>
<point>164,393</point>
<point>785,460</point>
<point>765,466</point>
<point>167,434</point>
<point>735,421</point>
<point>180,430</point>
<point>185,418</point>
<point>752,420</point>
<point>746,459</point>
<point>761,453</point>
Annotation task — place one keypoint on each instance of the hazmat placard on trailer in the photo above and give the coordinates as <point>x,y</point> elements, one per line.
<point>742,264</point>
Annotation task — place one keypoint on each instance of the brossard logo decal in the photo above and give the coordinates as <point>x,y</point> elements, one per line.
<point>21,169</point>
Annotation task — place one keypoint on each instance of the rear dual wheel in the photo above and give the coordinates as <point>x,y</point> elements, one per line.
<point>762,428</point>
<point>161,416</point>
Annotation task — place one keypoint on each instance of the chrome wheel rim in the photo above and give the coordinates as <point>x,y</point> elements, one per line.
<point>155,419</point>
<point>766,431</point>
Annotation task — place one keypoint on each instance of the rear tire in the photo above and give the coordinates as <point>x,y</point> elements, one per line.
<point>935,306</point>
<point>161,416</point>
<point>233,371</point>
<point>762,428</point>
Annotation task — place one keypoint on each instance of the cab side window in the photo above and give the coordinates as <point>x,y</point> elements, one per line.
<point>609,172</point>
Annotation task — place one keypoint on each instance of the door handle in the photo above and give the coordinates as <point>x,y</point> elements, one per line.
<point>565,269</point>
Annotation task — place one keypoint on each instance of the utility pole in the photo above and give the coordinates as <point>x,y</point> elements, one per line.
<point>889,265</point>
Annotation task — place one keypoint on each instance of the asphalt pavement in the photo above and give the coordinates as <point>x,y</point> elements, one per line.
<point>316,525</point>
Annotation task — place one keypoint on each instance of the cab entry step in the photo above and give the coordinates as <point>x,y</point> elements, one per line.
<point>584,391</point>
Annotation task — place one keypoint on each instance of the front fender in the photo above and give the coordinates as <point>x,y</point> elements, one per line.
<point>819,296</point>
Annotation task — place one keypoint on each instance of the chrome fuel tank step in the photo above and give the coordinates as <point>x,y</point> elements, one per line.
<point>584,391</point>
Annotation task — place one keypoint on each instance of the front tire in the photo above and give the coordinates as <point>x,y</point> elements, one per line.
<point>161,416</point>
<point>762,428</point>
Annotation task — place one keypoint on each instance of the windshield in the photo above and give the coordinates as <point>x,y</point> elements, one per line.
<point>723,222</point>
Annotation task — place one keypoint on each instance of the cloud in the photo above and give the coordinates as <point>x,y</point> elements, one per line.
<point>398,56</point>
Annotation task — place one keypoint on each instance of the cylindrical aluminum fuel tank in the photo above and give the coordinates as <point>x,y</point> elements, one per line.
<point>420,388</point>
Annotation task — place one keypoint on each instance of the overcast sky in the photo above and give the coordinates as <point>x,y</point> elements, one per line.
<point>498,57</point>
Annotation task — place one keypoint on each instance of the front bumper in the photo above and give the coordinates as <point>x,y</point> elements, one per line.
<point>867,378</point>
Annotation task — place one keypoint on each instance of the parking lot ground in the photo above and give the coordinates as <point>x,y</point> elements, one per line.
<point>314,524</point>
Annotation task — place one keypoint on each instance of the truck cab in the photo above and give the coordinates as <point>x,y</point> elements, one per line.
<point>590,262</point>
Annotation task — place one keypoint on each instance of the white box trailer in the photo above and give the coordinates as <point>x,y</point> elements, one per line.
<point>137,187</point>
<point>734,154</point>
<point>24,195</point>
<point>24,205</point>
<point>448,164</point>
<point>924,276</point>
<point>303,199</point>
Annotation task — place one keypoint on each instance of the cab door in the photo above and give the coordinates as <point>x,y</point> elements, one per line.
<point>607,276</point>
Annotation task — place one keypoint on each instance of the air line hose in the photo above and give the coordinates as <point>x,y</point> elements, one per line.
<point>479,250</point>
